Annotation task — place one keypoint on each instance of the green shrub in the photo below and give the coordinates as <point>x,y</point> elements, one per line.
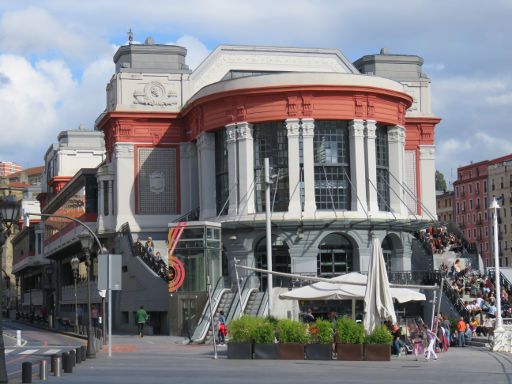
<point>380,335</point>
<point>241,330</point>
<point>248,329</point>
<point>321,332</point>
<point>264,332</point>
<point>291,331</point>
<point>349,332</point>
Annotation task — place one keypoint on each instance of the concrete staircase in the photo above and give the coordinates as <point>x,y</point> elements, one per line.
<point>480,342</point>
<point>254,303</point>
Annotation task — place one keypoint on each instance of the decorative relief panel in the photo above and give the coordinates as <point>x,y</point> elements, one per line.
<point>155,93</point>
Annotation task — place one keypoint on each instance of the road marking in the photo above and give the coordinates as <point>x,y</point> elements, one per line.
<point>28,352</point>
<point>52,351</point>
<point>7,351</point>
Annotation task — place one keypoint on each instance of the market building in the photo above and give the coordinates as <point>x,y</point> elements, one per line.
<point>351,151</point>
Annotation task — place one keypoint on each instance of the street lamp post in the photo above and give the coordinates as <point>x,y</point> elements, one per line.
<point>87,242</point>
<point>75,262</point>
<point>495,206</point>
<point>9,210</point>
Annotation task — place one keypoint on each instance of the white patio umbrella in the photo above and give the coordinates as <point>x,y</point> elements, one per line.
<point>346,287</point>
<point>378,302</point>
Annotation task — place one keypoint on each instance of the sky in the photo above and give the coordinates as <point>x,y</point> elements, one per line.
<point>56,58</point>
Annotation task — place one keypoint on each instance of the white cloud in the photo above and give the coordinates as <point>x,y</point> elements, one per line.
<point>196,50</point>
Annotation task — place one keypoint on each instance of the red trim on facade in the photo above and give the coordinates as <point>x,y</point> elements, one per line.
<point>85,218</point>
<point>57,183</point>
<point>136,173</point>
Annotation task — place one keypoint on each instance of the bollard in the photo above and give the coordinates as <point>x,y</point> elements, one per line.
<point>43,370</point>
<point>53,361</point>
<point>18,338</point>
<point>78,355</point>
<point>57,369</point>
<point>26,372</point>
<point>84,352</point>
<point>72,357</point>
<point>66,363</point>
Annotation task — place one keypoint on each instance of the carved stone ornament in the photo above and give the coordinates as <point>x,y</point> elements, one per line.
<point>356,128</point>
<point>154,93</point>
<point>308,127</point>
<point>293,127</point>
<point>244,131</point>
<point>157,182</point>
<point>371,127</point>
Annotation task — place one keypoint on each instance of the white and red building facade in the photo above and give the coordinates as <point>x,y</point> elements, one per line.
<point>351,147</point>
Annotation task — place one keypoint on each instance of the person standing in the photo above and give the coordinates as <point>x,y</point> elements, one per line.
<point>461,330</point>
<point>221,326</point>
<point>141,316</point>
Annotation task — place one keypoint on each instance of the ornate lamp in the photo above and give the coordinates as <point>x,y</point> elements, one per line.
<point>87,242</point>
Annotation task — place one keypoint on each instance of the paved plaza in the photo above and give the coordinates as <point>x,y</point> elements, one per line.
<point>160,359</point>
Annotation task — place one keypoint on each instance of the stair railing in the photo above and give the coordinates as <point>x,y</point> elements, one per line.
<point>203,326</point>
<point>249,284</point>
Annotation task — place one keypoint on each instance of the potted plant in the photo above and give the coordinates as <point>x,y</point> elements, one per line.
<point>263,335</point>
<point>320,340</point>
<point>293,336</point>
<point>349,339</point>
<point>378,345</point>
<point>240,338</point>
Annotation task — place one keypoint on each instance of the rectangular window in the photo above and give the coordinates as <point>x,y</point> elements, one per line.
<point>485,186</point>
<point>157,181</point>
<point>458,208</point>
<point>332,165</point>
<point>271,140</point>
<point>470,204</point>
<point>457,191</point>
<point>469,188</point>
<point>382,155</point>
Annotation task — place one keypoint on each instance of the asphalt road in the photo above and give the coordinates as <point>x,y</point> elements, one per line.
<point>37,344</point>
<point>161,359</point>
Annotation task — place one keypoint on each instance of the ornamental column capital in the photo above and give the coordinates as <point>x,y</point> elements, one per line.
<point>396,134</point>
<point>308,127</point>
<point>356,128</point>
<point>244,131</point>
<point>231,133</point>
<point>205,142</point>
<point>293,127</point>
<point>371,127</point>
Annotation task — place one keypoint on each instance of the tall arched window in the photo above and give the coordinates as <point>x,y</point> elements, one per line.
<point>382,156</point>
<point>271,140</point>
<point>387,251</point>
<point>335,256</point>
<point>332,165</point>
<point>221,172</point>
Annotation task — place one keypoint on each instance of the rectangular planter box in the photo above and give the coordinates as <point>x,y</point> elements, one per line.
<point>266,351</point>
<point>350,352</point>
<point>239,350</point>
<point>377,352</point>
<point>291,351</point>
<point>318,351</point>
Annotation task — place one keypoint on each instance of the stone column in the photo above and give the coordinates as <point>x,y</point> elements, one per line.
<point>427,178</point>
<point>357,166</point>
<point>396,143</point>
<point>293,129</point>
<point>101,193</point>
<point>245,169</point>
<point>232,169</point>
<point>125,181</point>
<point>207,192</point>
<point>371,166</point>
<point>111,197</point>
<point>308,154</point>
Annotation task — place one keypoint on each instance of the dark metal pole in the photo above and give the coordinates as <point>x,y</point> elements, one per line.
<point>3,369</point>
<point>91,351</point>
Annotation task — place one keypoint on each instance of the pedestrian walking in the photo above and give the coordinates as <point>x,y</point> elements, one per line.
<point>431,336</point>
<point>141,317</point>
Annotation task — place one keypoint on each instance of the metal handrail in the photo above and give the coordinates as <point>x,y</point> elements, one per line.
<point>245,292</point>
<point>203,326</point>
<point>262,309</point>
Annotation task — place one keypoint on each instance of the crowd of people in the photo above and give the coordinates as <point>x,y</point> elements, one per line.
<point>151,257</point>
<point>440,240</point>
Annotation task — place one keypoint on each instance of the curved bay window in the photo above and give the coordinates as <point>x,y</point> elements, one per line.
<point>332,165</point>
<point>281,261</point>
<point>221,172</point>
<point>382,156</point>
<point>270,140</point>
<point>335,256</point>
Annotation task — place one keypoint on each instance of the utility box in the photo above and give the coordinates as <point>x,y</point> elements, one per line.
<point>115,269</point>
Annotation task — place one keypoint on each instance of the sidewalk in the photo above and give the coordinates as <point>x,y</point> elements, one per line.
<point>165,359</point>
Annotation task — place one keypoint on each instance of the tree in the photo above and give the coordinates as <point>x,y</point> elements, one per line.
<point>440,182</point>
